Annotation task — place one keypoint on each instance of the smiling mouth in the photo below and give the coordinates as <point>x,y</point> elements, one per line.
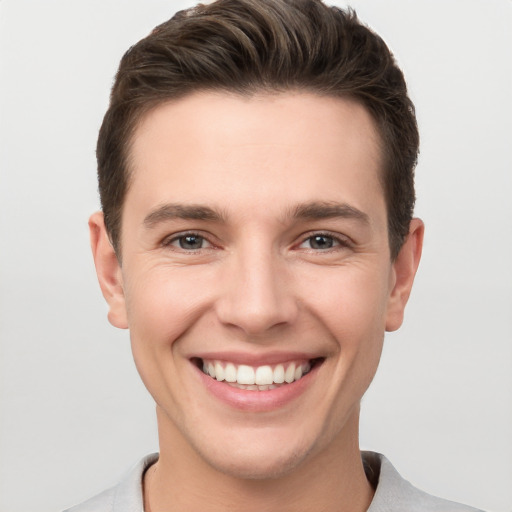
<point>256,378</point>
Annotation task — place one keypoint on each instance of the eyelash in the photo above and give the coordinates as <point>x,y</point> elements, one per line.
<point>337,241</point>
<point>169,241</point>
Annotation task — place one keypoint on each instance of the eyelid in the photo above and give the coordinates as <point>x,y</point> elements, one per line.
<point>174,237</point>
<point>341,240</point>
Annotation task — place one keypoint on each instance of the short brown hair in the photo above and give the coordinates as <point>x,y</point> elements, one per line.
<point>247,46</point>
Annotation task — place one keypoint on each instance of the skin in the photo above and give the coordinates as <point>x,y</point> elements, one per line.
<point>274,171</point>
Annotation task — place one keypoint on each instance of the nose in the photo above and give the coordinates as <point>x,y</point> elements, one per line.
<point>257,296</point>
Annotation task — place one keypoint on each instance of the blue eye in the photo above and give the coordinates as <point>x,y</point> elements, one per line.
<point>321,242</point>
<point>189,242</point>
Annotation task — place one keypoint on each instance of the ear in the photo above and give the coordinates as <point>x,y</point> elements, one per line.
<point>108,271</point>
<point>404,269</point>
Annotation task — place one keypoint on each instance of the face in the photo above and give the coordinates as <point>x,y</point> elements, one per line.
<point>256,277</point>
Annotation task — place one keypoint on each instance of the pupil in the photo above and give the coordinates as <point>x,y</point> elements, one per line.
<point>191,242</point>
<point>321,242</point>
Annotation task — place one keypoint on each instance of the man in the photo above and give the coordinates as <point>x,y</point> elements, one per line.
<point>256,237</point>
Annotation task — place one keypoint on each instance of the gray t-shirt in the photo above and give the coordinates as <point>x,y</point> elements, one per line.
<point>392,492</point>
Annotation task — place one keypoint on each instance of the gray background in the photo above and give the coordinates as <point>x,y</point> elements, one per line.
<point>73,414</point>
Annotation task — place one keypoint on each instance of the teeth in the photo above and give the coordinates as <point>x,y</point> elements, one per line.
<point>245,375</point>
<point>261,378</point>
<point>219,371</point>
<point>289,374</point>
<point>279,374</point>
<point>230,372</point>
<point>252,387</point>
<point>264,375</point>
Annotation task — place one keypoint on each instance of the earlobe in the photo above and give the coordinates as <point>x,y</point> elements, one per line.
<point>108,271</point>
<point>404,270</point>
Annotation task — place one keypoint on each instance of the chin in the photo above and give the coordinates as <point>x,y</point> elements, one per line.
<point>262,458</point>
<point>258,466</point>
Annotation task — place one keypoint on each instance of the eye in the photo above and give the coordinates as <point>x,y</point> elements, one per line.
<point>322,242</point>
<point>188,242</point>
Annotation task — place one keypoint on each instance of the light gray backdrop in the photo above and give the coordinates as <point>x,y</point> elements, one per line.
<point>73,414</point>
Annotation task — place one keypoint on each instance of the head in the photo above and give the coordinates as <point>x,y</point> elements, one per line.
<point>256,168</point>
<point>247,47</point>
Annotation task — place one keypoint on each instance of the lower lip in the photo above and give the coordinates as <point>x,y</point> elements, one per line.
<point>257,401</point>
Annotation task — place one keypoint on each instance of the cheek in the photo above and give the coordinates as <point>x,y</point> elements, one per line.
<point>162,304</point>
<point>351,302</point>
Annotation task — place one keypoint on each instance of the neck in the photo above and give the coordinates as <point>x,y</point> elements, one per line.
<point>332,480</point>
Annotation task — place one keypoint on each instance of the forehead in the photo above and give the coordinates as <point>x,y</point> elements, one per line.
<point>268,150</point>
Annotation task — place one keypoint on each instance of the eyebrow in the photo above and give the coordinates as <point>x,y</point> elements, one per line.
<point>181,211</point>
<point>328,210</point>
<point>315,210</point>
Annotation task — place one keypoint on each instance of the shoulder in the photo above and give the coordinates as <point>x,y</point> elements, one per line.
<point>395,494</point>
<point>100,503</point>
<point>126,496</point>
